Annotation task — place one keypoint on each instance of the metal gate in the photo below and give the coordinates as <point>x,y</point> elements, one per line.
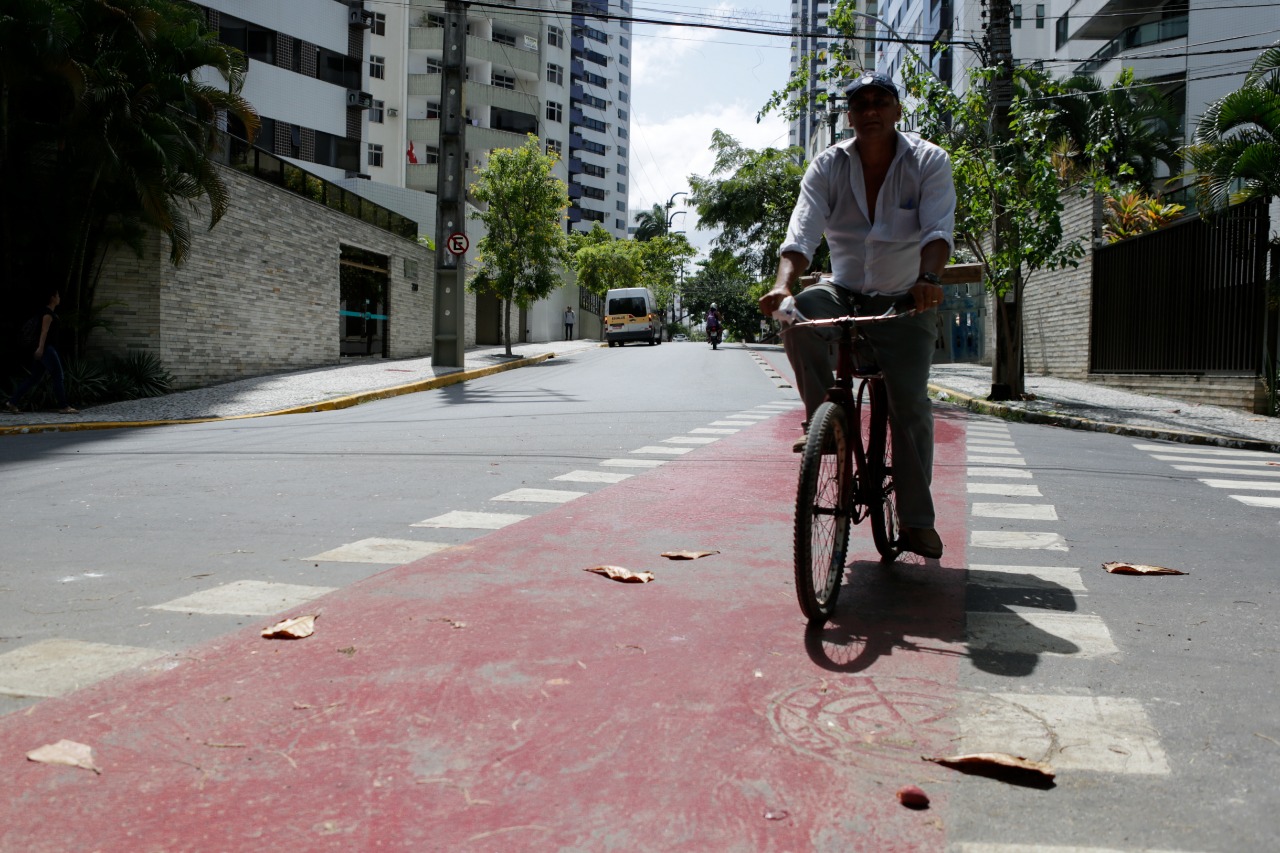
<point>1189,298</point>
<point>364,314</point>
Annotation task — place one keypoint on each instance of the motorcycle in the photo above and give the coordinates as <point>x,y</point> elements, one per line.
<point>713,335</point>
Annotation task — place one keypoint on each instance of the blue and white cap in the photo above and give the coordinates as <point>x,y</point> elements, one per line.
<point>872,78</point>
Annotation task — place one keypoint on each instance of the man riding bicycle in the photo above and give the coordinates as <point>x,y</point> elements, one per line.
<point>886,202</point>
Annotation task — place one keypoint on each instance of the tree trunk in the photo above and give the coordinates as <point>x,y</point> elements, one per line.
<point>506,324</point>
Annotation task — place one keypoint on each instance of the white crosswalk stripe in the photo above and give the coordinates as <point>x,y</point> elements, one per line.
<point>1236,464</point>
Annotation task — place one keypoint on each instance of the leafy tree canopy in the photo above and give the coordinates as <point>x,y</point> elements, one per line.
<point>722,279</point>
<point>523,211</point>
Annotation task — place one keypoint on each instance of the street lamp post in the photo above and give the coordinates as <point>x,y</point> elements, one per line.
<point>671,202</point>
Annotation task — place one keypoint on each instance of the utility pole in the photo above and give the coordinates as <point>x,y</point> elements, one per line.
<point>449,325</point>
<point>1006,370</point>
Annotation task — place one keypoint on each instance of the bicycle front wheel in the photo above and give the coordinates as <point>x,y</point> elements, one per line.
<point>882,500</point>
<point>823,500</point>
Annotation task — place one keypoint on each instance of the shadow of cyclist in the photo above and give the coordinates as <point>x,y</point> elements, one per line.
<point>920,606</point>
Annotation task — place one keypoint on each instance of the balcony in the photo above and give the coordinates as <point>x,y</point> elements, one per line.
<point>1104,19</point>
<point>1141,35</point>
<point>477,94</point>
<point>482,50</point>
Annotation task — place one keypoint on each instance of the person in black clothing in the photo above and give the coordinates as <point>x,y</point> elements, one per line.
<point>36,333</point>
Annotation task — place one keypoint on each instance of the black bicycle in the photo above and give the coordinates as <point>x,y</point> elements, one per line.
<point>846,472</point>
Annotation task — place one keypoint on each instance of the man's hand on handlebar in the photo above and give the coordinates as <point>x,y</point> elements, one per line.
<point>926,295</point>
<point>771,300</point>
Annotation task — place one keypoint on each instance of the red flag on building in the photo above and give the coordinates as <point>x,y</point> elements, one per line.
<point>413,158</point>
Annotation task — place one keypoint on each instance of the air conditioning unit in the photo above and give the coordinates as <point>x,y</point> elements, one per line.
<point>393,112</point>
<point>358,16</point>
<point>356,98</point>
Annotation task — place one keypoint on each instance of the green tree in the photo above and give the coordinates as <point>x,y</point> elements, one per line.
<point>663,258</point>
<point>1008,207</point>
<point>722,279</point>
<point>603,263</point>
<point>523,211</point>
<point>651,223</point>
<point>749,195</point>
<point>1235,151</point>
<point>106,129</point>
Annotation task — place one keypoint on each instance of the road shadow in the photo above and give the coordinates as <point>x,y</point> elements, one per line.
<point>917,605</point>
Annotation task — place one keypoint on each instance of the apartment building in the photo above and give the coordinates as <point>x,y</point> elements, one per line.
<point>818,124</point>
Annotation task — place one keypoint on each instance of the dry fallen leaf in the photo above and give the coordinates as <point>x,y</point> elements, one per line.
<point>1139,569</point>
<point>686,555</point>
<point>999,765</point>
<point>66,752</point>
<point>292,629</point>
<point>913,797</point>
<point>620,574</point>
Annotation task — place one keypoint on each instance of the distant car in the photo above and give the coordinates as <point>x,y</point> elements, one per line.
<point>675,338</point>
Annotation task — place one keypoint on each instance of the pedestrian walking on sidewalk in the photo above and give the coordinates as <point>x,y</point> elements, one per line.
<point>886,202</point>
<point>37,333</point>
<point>569,320</point>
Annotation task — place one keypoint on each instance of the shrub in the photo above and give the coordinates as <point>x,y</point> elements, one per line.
<point>138,375</point>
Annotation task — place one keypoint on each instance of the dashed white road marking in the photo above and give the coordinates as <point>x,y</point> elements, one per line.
<point>375,550</point>
<point>732,423</point>
<point>633,463</point>
<point>1209,451</point>
<point>1241,464</point>
<point>1016,539</point>
<point>987,429</point>
<point>1010,490</point>
<point>1012,473</point>
<point>539,496</point>
<point>750,416</point>
<point>1029,512</point>
<point>1026,577</point>
<point>712,431</point>
<point>1258,501</point>
<point>974,459</point>
<point>993,451</point>
<point>463,519</point>
<point>593,477</point>
<point>984,443</point>
<point>1246,485</point>
<point>986,847</point>
<point>691,439</point>
<point>56,667</point>
<point>669,451</point>
<point>1035,632</point>
<point>246,598</point>
<point>1210,469</point>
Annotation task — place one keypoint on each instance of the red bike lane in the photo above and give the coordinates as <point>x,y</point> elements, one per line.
<point>495,696</point>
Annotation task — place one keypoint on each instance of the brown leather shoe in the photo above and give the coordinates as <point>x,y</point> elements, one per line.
<point>923,541</point>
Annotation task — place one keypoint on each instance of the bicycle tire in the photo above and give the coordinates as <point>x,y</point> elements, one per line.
<point>823,498</point>
<point>882,499</point>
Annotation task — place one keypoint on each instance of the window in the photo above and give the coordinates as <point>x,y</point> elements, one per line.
<point>504,38</point>
<point>593,101</point>
<point>555,112</point>
<point>433,109</point>
<point>594,124</point>
<point>1060,32</point>
<point>434,21</point>
<point>622,206</point>
<point>619,224</point>
<point>622,169</point>
<point>622,188</point>
<point>622,115</point>
<point>376,111</point>
<point>555,37</point>
<point>594,147</point>
<point>593,170</point>
<point>555,147</point>
<point>624,60</point>
<point>1039,16</point>
<point>623,78</point>
<point>379,24</point>
<point>375,154</point>
<point>622,133</point>
<point>377,67</point>
<point>625,42</point>
<point>593,215</point>
<point>593,192</point>
<point>430,154</point>
<point>435,66</point>
<point>622,151</point>
<point>504,81</point>
<point>622,96</point>
<point>1017,16</point>
<point>555,73</point>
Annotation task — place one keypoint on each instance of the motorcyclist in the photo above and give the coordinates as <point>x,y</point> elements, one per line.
<point>713,320</point>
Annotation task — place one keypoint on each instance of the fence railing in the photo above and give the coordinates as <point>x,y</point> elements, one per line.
<point>1189,298</point>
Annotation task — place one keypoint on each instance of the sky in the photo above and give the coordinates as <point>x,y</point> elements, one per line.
<point>687,83</point>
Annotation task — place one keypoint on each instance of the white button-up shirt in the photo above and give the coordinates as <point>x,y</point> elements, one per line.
<point>916,206</point>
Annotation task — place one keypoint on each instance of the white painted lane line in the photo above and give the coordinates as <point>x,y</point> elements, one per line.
<point>593,477</point>
<point>667,451</point>
<point>986,847</point>
<point>691,439</point>
<point>974,459</point>
<point>733,423</point>
<point>1015,539</point>
<point>1011,490</point>
<point>1210,469</point>
<point>246,598</point>
<point>1101,734</point>
<point>1241,465</point>
<point>633,463</point>
<point>1028,512</point>
<point>987,442</point>
<point>57,667</point>
<point>374,550</point>
<point>1208,451</point>
<point>1012,473</point>
<point>751,416</point>
<point>985,428</point>
<point>464,520</point>
<point>1258,501</point>
<point>710,431</point>
<point>1246,485</point>
<point>539,496</point>
<point>1021,577</point>
<point>1036,632</point>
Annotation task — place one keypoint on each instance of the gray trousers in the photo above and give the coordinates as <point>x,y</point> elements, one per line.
<point>904,351</point>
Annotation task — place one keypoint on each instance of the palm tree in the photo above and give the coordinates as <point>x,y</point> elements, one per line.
<point>651,223</point>
<point>1235,151</point>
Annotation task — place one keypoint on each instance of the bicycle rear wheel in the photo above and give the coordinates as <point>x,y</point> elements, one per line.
<point>882,500</point>
<point>822,512</point>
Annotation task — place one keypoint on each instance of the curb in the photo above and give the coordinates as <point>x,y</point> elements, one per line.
<point>323,406</point>
<point>1012,413</point>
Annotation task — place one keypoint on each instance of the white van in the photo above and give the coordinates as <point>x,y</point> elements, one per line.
<point>630,315</point>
